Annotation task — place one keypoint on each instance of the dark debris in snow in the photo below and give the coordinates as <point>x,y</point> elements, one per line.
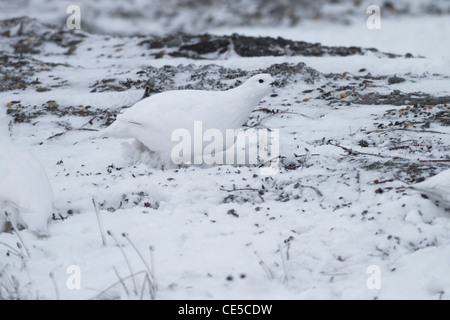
<point>207,46</point>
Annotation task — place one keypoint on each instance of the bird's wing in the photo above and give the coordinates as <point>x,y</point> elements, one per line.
<point>170,107</point>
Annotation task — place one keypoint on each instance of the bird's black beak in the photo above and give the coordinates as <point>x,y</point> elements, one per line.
<point>274,84</point>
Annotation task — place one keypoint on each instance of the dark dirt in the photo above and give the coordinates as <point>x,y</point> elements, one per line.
<point>26,114</point>
<point>207,77</point>
<point>20,72</point>
<point>398,98</point>
<point>409,172</point>
<point>203,46</point>
<point>27,36</point>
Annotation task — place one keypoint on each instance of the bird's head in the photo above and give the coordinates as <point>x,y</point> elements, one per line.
<point>260,84</point>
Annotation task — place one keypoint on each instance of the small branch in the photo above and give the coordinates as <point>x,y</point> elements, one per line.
<point>117,282</point>
<point>311,187</point>
<point>149,270</point>
<point>152,266</point>
<point>353,152</point>
<point>283,264</point>
<point>411,130</point>
<point>241,189</point>
<point>100,223</point>
<point>89,122</point>
<point>304,155</point>
<point>126,260</point>
<point>399,179</point>
<point>358,181</point>
<point>414,145</point>
<point>384,181</point>
<point>52,276</point>
<point>63,133</point>
<point>352,134</point>
<point>148,281</point>
<point>121,281</point>
<point>268,161</point>
<point>265,267</point>
<point>446,160</point>
<point>274,113</point>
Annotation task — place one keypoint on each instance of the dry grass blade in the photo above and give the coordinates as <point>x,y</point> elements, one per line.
<point>100,223</point>
<point>126,260</point>
<point>18,234</point>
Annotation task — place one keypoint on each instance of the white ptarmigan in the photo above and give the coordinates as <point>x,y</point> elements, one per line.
<point>25,191</point>
<point>153,120</point>
<point>437,187</point>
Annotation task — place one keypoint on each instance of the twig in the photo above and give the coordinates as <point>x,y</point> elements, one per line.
<point>63,133</point>
<point>117,282</point>
<point>150,272</point>
<point>403,129</point>
<point>89,122</point>
<point>152,264</point>
<point>353,152</point>
<point>146,280</point>
<point>352,134</point>
<point>304,155</point>
<point>314,188</point>
<point>288,246</point>
<point>275,112</point>
<point>383,181</point>
<point>283,264</point>
<point>358,181</point>
<point>121,281</point>
<point>269,161</point>
<point>56,135</point>
<point>264,266</point>
<point>99,220</point>
<point>446,160</point>
<point>259,122</point>
<point>401,180</point>
<point>52,276</point>
<point>414,145</point>
<point>126,260</point>
<point>240,189</point>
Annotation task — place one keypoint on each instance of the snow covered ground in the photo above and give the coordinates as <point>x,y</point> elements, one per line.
<point>338,214</point>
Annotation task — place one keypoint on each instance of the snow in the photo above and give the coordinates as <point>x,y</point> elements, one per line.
<point>226,232</point>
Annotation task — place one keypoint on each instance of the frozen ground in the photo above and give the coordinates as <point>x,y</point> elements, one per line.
<point>352,144</point>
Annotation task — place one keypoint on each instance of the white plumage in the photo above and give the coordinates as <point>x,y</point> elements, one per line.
<point>153,120</point>
<point>437,187</point>
<point>25,191</point>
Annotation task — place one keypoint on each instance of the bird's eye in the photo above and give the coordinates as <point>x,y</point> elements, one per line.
<point>260,80</point>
